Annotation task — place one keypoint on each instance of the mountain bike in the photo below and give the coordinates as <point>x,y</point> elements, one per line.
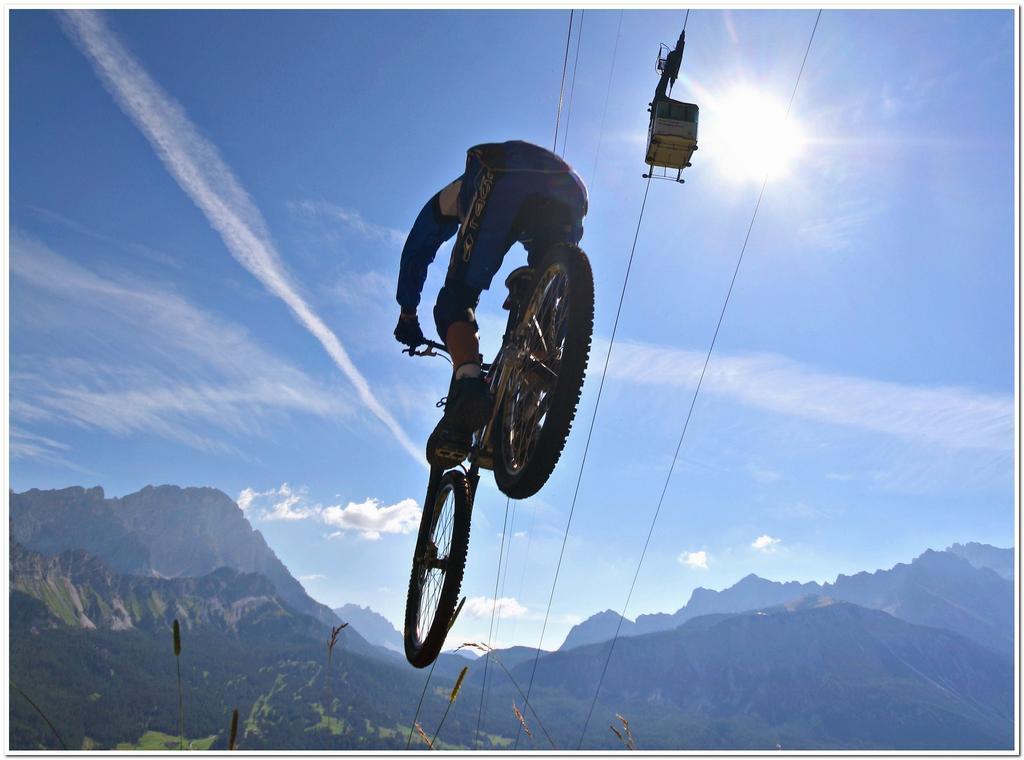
<point>535,379</point>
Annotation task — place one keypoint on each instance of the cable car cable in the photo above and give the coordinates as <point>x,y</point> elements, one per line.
<point>490,632</point>
<point>607,96</point>
<point>419,705</point>
<point>593,419</point>
<point>561,90</point>
<point>572,85</point>
<point>526,558</point>
<point>486,698</point>
<point>693,401</point>
<point>593,176</point>
<point>586,448</point>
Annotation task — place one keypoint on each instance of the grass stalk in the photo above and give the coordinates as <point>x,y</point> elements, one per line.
<point>181,701</point>
<point>489,652</point>
<point>419,705</point>
<point>41,713</point>
<point>423,735</point>
<point>627,740</point>
<point>451,701</point>
<point>328,708</point>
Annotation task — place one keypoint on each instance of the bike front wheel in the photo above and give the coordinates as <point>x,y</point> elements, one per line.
<point>439,561</point>
<point>544,385</point>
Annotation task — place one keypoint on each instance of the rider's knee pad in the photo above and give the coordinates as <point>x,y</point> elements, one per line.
<point>455,303</point>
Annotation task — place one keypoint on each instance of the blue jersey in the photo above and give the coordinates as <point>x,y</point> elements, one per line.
<point>512,191</point>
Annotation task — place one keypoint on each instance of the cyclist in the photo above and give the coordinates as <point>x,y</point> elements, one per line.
<point>509,191</point>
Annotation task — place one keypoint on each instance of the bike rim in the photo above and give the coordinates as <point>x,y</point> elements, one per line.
<point>432,561</point>
<point>528,398</point>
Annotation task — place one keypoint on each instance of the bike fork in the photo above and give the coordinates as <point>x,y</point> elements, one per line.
<point>473,476</point>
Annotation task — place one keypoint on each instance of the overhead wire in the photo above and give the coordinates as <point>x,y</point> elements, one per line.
<point>501,594</point>
<point>526,559</point>
<point>607,96</point>
<point>600,389</point>
<point>693,401</point>
<point>419,705</point>
<point>593,174</point>
<point>561,90</point>
<point>572,85</point>
<point>490,632</point>
<point>586,446</point>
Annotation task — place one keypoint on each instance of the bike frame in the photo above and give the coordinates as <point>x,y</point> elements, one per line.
<point>496,373</point>
<point>481,438</point>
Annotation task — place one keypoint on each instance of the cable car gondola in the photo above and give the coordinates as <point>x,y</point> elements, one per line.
<point>672,136</point>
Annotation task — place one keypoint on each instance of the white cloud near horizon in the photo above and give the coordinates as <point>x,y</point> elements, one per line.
<point>698,560</point>
<point>197,167</point>
<point>766,543</point>
<point>951,417</point>
<point>370,519</point>
<point>503,607</point>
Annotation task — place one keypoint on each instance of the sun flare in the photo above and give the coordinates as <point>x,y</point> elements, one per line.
<point>749,136</point>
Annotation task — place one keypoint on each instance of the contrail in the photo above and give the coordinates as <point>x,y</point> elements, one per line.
<point>196,165</point>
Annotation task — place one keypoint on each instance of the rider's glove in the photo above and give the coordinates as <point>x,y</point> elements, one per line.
<point>408,330</point>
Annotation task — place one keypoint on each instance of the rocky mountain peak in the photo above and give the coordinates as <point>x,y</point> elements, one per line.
<point>165,530</point>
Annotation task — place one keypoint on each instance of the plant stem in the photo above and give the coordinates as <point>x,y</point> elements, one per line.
<point>41,713</point>
<point>181,706</point>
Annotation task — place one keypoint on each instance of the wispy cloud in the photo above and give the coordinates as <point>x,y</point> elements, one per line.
<point>25,445</point>
<point>352,219</point>
<point>801,510</point>
<point>84,230</point>
<point>155,363</point>
<point>197,166</point>
<point>365,290</point>
<point>952,417</point>
<point>369,519</point>
<point>763,474</point>
<point>765,543</point>
<point>312,577</point>
<point>838,227</point>
<point>698,560</point>
<point>504,607</point>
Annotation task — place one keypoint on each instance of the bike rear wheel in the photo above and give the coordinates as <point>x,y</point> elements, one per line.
<point>439,561</point>
<point>551,352</point>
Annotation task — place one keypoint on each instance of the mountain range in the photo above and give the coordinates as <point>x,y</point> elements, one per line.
<point>812,674</point>
<point>915,657</point>
<point>940,589</point>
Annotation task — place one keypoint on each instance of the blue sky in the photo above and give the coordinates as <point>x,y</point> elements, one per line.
<point>207,210</point>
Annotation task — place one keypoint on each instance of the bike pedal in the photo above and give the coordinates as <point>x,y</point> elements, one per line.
<point>446,453</point>
<point>448,456</point>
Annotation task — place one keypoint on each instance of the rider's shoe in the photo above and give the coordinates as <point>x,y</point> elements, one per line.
<point>467,409</point>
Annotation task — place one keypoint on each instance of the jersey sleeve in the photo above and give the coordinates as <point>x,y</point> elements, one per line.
<point>437,222</point>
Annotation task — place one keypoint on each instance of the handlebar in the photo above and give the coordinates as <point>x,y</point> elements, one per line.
<point>437,349</point>
<point>432,349</point>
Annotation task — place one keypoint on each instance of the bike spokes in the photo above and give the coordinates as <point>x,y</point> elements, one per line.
<point>540,355</point>
<point>438,563</point>
<point>433,562</point>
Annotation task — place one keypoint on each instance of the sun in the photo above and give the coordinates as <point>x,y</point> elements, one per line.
<point>748,136</point>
